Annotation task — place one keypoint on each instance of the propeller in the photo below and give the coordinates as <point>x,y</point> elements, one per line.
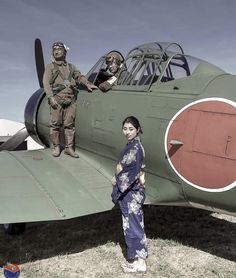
<point>39,60</point>
<point>12,143</point>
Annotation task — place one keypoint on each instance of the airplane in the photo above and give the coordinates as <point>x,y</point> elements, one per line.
<point>187,109</point>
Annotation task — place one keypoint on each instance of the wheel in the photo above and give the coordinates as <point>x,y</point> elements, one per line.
<point>14,229</point>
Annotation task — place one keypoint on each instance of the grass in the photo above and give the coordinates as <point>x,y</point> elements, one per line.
<point>182,242</point>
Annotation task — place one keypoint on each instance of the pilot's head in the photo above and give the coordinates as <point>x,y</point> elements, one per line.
<point>59,50</point>
<point>114,61</point>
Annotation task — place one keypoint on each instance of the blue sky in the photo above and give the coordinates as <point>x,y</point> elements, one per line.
<point>204,28</point>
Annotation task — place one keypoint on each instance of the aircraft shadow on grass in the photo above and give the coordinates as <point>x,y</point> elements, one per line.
<point>191,227</point>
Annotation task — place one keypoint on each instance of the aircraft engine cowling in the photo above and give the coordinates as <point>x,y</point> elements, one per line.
<point>33,120</point>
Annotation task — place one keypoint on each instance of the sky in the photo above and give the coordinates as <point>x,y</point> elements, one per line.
<point>90,28</point>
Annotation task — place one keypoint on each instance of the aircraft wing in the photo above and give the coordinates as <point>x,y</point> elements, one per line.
<point>34,186</point>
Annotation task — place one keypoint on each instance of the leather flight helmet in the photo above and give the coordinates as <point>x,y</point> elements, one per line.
<point>114,55</point>
<point>60,45</point>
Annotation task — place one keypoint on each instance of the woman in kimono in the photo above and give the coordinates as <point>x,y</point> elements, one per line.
<point>129,193</point>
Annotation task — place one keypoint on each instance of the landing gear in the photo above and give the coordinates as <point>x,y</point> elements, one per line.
<point>14,229</point>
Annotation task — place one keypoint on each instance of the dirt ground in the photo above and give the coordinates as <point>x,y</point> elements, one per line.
<point>182,242</point>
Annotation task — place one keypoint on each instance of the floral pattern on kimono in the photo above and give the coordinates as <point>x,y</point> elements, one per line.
<point>130,195</point>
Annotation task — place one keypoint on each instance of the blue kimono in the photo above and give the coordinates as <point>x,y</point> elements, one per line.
<point>130,195</point>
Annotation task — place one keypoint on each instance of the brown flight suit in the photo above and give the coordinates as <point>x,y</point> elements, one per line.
<point>59,80</point>
<point>110,80</point>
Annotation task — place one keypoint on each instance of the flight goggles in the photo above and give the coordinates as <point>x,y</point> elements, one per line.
<point>59,45</point>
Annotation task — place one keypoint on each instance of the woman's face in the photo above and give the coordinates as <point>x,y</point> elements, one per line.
<point>130,131</point>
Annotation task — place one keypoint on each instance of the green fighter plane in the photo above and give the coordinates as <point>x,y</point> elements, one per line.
<point>187,108</point>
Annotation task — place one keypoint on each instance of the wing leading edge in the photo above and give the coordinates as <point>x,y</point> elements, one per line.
<point>34,186</point>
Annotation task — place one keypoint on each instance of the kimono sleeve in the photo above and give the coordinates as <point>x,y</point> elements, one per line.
<point>132,163</point>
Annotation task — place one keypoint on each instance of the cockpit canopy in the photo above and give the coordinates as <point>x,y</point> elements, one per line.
<point>151,63</point>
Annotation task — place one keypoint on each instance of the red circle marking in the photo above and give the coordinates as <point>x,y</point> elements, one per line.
<point>207,158</point>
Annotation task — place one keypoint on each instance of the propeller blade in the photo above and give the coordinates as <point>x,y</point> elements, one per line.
<point>12,143</point>
<point>39,60</point>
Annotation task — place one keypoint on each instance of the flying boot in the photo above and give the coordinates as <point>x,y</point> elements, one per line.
<point>55,138</point>
<point>69,143</point>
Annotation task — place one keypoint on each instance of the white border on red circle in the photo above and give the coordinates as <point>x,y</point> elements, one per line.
<point>227,187</point>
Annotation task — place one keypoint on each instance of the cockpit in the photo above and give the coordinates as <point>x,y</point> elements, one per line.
<point>151,63</point>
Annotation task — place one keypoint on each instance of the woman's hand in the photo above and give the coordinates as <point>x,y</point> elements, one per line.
<point>142,178</point>
<point>119,168</point>
<point>113,181</point>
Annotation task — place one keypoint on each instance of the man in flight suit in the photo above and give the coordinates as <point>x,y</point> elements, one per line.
<point>60,84</point>
<point>107,77</point>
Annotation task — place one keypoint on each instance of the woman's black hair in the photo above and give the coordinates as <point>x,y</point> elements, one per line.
<point>134,121</point>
